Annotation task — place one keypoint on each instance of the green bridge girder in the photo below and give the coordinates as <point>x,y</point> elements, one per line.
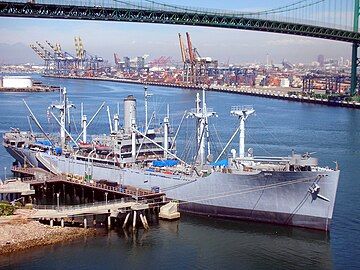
<point>354,54</point>
<point>52,11</point>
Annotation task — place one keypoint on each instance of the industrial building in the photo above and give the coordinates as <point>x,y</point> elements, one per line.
<point>128,64</point>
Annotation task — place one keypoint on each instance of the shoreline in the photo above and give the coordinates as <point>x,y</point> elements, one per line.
<point>41,89</point>
<point>18,233</point>
<point>266,92</point>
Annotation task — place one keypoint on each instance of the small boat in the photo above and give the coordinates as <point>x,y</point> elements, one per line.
<point>102,147</point>
<point>86,146</point>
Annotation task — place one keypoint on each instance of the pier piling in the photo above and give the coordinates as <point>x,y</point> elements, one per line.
<point>143,221</point>
<point>109,221</point>
<point>146,223</point>
<point>134,221</point>
<point>126,220</point>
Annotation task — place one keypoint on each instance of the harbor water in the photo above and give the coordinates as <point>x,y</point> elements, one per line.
<point>332,133</point>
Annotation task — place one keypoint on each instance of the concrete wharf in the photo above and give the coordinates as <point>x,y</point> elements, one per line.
<point>260,92</point>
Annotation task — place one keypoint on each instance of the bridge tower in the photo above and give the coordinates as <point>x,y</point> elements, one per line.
<point>354,57</point>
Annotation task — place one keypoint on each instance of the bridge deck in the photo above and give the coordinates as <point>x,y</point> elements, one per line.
<point>142,14</point>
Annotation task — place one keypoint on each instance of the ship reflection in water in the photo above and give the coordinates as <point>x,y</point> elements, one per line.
<point>187,244</point>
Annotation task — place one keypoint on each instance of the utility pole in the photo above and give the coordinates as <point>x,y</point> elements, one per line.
<point>354,57</point>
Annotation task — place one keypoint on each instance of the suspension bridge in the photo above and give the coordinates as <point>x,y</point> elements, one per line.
<point>326,19</point>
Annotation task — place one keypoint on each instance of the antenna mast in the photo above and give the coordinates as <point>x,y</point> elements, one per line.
<point>243,113</point>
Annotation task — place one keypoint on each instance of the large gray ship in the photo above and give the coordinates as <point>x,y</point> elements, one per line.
<point>292,190</point>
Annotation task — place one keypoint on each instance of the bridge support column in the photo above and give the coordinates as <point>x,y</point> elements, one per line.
<point>354,58</point>
<point>354,66</point>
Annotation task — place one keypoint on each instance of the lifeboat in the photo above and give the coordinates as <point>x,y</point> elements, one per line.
<point>103,148</point>
<point>85,146</point>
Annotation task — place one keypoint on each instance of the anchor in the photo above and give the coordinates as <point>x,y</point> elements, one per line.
<point>314,190</point>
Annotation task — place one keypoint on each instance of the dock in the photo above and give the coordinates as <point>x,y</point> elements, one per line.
<point>13,189</point>
<point>66,198</point>
<point>38,176</point>
<point>260,92</point>
<point>99,208</point>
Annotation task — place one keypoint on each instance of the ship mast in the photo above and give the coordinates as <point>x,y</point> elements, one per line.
<point>84,123</point>
<point>64,107</point>
<point>202,113</point>
<point>243,113</point>
<point>146,96</point>
<point>166,132</point>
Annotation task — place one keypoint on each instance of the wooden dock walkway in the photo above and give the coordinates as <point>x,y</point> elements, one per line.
<point>111,208</point>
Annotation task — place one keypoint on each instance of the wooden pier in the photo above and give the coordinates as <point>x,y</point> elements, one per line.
<point>37,176</point>
<point>65,198</point>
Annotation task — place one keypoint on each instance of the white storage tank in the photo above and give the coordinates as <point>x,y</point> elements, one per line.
<point>17,82</point>
<point>129,112</point>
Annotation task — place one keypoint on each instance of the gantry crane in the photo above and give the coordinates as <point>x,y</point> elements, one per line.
<point>195,67</point>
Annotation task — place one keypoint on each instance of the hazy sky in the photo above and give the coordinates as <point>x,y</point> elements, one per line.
<point>133,39</point>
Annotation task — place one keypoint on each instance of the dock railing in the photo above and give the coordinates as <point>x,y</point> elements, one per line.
<point>112,203</point>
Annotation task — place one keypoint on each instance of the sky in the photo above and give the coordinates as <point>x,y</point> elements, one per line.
<point>136,39</point>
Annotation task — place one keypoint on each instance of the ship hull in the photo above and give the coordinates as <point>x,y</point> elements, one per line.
<point>272,197</point>
<point>296,220</point>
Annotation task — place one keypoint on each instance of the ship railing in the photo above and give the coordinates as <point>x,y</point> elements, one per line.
<point>209,110</point>
<point>242,108</point>
<point>263,159</point>
<point>120,189</point>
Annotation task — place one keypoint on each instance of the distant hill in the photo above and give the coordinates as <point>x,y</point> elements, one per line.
<point>17,53</point>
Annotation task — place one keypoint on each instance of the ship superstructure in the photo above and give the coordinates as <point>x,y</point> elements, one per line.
<point>291,190</point>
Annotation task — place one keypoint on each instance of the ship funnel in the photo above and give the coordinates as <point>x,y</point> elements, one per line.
<point>129,112</point>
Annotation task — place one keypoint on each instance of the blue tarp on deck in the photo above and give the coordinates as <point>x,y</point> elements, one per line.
<point>165,163</point>
<point>220,163</point>
<point>44,142</point>
<point>58,150</point>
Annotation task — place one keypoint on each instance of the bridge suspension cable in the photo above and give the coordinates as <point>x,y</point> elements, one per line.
<point>325,13</point>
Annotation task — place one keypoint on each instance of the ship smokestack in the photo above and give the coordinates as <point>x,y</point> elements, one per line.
<point>129,112</point>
